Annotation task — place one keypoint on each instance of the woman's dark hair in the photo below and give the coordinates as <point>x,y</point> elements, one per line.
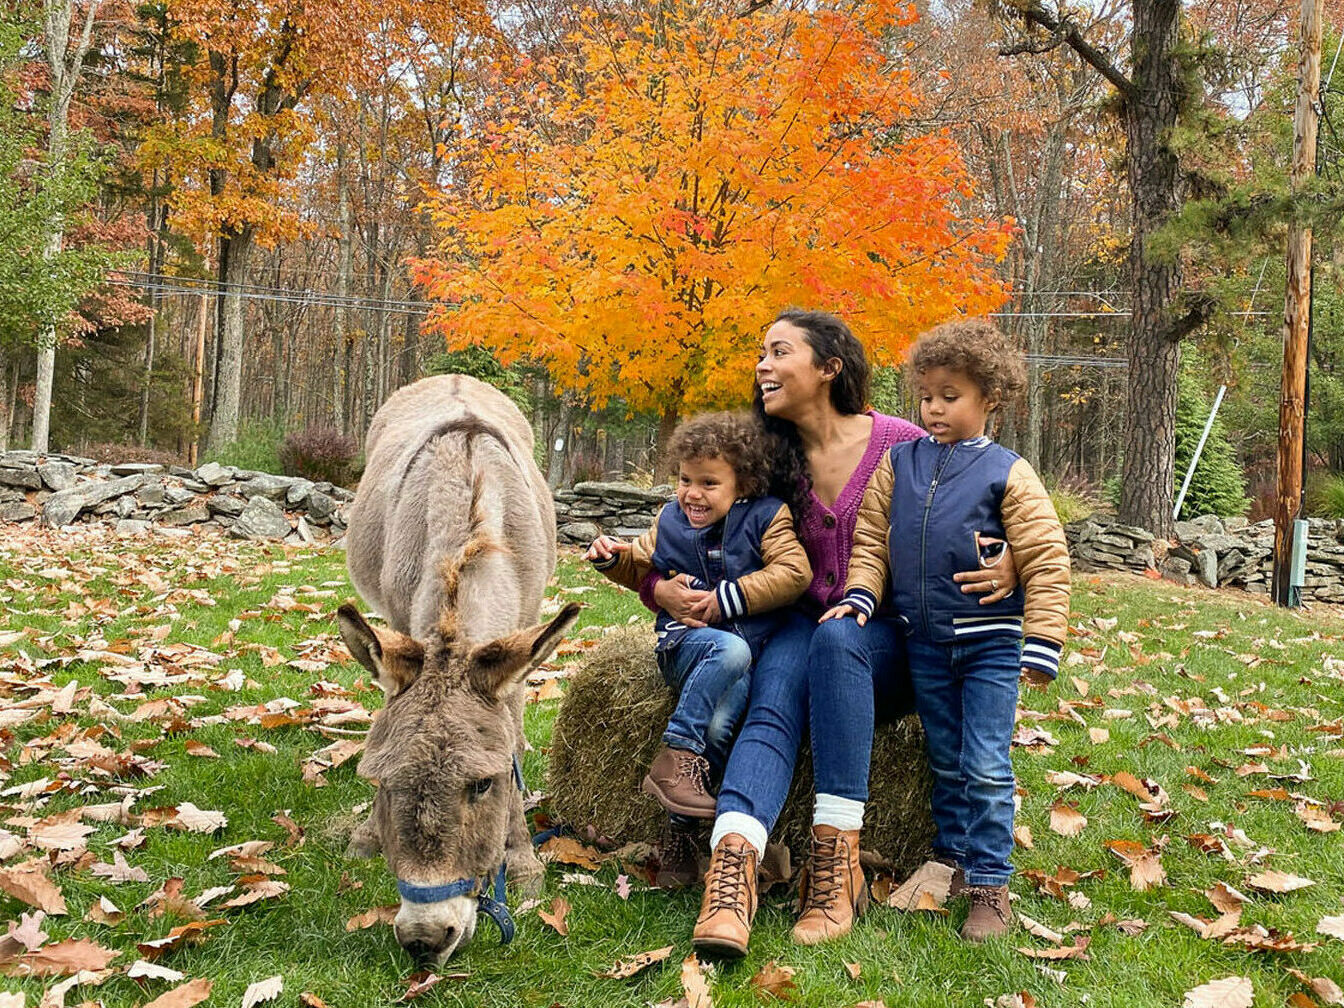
<point>829,337</point>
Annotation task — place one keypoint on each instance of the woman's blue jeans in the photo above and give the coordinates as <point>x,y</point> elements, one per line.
<point>826,675</point>
<point>966,694</point>
<point>710,671</point>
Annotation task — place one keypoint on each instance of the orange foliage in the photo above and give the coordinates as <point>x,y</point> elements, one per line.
<point>644,201</point>
<point>261,68</point>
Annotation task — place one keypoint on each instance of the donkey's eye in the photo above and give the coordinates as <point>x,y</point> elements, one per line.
<point>477,788</point>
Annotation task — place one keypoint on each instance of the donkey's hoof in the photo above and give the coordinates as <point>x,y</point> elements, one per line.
<point>526,873</point>
<point>363,842</point>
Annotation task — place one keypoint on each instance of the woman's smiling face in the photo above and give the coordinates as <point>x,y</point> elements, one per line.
<point>787,374</point>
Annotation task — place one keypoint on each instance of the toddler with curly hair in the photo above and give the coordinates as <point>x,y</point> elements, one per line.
<point>723,534</point>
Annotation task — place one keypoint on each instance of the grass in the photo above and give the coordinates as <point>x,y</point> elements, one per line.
<point>198,609</point>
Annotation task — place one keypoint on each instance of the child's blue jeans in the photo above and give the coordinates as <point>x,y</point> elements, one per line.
<point>710,671</point>
<point>966,696</point>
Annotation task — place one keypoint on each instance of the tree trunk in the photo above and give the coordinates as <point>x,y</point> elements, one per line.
<point>224,422</point>
<point>667,423</point>
<point>1148,474</point>
<point>6,403</point>
<point>344,268</point>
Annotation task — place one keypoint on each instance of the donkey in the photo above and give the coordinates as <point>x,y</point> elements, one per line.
<point>452,540</point>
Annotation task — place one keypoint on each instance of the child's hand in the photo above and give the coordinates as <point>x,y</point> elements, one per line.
<point>1034,678</point>
<point>604,547</point>
<point>707,609</point>
<point>841,611</point>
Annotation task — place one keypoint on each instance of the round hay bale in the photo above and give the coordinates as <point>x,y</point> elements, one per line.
<point>613,714</point>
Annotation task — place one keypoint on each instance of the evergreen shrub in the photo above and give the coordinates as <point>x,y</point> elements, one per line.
<point>256,447</point>
<point>319,453</point>
<point>1325,496</point>
<point>1219,485</point>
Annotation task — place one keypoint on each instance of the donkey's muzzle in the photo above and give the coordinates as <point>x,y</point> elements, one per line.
<point>430,944</point>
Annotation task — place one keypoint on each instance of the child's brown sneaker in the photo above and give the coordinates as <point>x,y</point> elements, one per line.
<point>679,781</point>
<point>990,915</point>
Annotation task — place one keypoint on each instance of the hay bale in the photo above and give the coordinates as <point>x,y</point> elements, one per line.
<point>608,727</point>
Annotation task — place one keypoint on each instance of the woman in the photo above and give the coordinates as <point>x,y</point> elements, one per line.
<point>811,389</point>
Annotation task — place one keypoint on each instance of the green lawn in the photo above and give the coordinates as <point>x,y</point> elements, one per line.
<point>1217,682</point>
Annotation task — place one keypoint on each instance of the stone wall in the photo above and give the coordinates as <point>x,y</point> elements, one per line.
<point>1228,552</point>
<point>619,509</point>
<point>136,497</point>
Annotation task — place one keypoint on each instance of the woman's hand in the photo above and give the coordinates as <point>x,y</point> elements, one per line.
<point>996,582</point>
<point>841,611</point>
<point>679,600</point>
<point>604,547</point>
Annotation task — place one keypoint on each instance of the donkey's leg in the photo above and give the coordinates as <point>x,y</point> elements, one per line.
<point>524,869</point>
<point>363,841</point>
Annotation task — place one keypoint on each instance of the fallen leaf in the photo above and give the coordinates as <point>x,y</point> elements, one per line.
<point>1323,987</point>
<point>1229,992</point>
<point>631,965</point>
<point>29,883</point>
<point>419,983</point>
<point>693,983</point>
<point>1022,999</point>
<point>310,1000</point>
<point>377,915</point>
<point>1078,950</point>
<point>1224,898</point>
<point>28,930</point>
<point>1278,882</point>
<point>104,912</point>
<point>191,932</point>
<point>1034,927</point>
<point>569,851</point>
<point>197,820</point>
<point>855,970</point>
<point>119,870</point>
<point>62,959</point>
<point>1332,927</point>
<point>928,903</point>
<point>194,748</point>
<point>191,993</point>
<point>263,990</point>
<point>776,981</point>
<point>930,877</point>
<point>557,915</point>
<point>1066,820</point>
<point>1022,837</point>
<point>622,886</point>
<point>142,968</point>
<point>60,835</point>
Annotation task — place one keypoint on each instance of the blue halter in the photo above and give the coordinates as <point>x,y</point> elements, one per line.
<point>495,907</point>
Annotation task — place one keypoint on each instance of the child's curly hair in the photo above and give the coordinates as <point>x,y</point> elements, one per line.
<point>976,348</point>
<point>737,438</point>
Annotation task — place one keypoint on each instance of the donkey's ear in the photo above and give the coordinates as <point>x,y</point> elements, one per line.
<point>394,659</point>
<point>498,666</point>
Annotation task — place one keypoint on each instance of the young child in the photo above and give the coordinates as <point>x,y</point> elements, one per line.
<point>728,537</point>
<point>942,504</point>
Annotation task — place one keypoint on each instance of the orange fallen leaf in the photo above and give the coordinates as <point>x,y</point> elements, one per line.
<point>1278,882</point>
<point>192,932</point>
<point>29,883</point>
<point>557,915</point>
<point>1066,820</point>
<point>774,980</point>
<point>631,965</point>
<point>376,915</point>
<point>567,850</point>
<point>1078,950</point>
<point>191,993</point>
<point>62,959</point>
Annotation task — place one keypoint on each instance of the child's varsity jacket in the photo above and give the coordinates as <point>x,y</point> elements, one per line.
<point>751,559</point>
<point>917,527</point>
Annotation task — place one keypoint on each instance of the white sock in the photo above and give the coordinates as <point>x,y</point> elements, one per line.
<point>841,813</point>
<point>751,830</point>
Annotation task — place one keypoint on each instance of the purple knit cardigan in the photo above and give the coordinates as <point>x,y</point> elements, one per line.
<point>827,533</point>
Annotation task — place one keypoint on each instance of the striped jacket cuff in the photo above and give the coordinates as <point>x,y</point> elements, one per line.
<point>861,599</point>
<point>732,603</point>
<point>601,564</point>
<point>1039,653</point>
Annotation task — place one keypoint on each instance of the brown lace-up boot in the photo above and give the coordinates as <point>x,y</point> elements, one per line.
<point>990,914</point>
<point>679,781</point>
<point>832,891</point>
<point>724,925</point>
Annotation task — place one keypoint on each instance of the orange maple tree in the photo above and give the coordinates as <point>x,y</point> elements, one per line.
<point>642,201</point>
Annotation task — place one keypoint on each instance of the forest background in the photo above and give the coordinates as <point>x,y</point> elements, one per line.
<point>283,212</point>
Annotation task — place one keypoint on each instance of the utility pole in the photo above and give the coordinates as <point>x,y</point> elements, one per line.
<point>1296,319</point>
